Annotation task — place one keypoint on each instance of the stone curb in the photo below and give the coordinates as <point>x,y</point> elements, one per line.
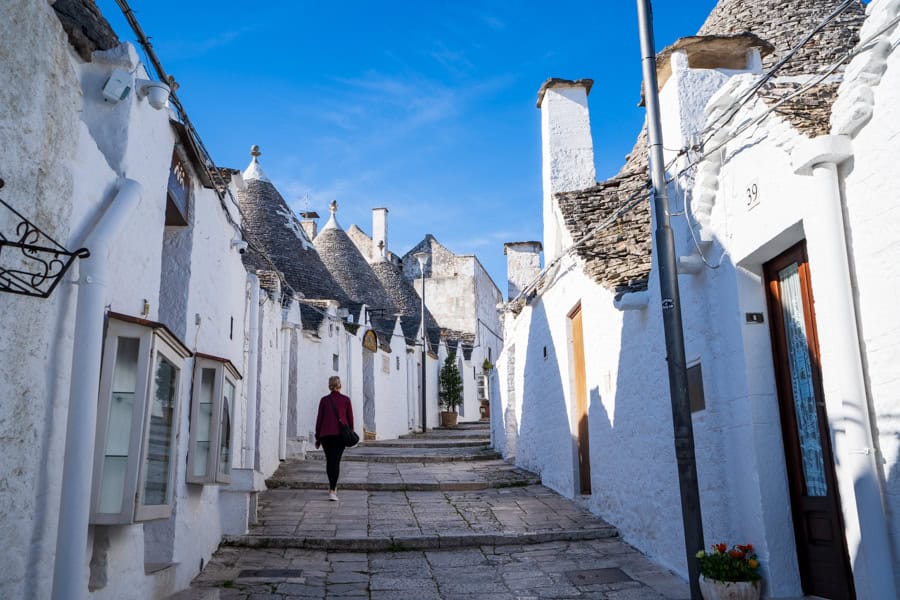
<point>433,542</point>
<point>459,486</point>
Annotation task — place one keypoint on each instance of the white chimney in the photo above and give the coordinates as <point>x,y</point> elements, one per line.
<point>379,234</point>
<point>567,150</point>
<point>523,265</point>
<point>310,224</point>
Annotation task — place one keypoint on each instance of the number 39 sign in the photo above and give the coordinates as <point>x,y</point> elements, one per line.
<point>752,194</point>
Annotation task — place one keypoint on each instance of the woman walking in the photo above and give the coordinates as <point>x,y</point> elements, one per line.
<point>334,409</point>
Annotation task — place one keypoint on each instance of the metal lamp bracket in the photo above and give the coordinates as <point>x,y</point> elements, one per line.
<point>31,262</point>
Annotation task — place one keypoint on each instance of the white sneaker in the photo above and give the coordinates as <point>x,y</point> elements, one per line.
<point>332,496</point>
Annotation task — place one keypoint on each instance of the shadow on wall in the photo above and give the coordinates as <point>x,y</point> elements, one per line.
<point>501,423</point>
<point>638,452</point>
<point>543,445</point>
<point>892,486</point>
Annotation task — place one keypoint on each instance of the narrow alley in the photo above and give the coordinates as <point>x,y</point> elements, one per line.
<point>424,517</point>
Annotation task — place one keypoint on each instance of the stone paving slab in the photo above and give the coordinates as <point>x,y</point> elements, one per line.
<point>427,518</point>
<point>378,520</point>
<point>410,476</point>
<point>486,572</point>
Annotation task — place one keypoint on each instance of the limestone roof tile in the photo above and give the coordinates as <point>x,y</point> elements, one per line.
<point>273,228</point>
<point>355,276</point>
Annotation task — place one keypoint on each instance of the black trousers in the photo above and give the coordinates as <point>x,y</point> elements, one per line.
<point>333,446</point>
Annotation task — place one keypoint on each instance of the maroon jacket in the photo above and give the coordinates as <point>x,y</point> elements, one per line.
<point>326,423</point>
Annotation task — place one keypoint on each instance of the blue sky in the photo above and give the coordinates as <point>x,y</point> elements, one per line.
<point>427,108</point>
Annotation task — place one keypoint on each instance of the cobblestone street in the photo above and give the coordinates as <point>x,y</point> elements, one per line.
<point>438,516</point>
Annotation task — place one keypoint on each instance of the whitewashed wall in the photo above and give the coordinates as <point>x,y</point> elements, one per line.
<point>391,402</point>
<point>873,215</point>
<point>739,454</point>
<point>37,79</point>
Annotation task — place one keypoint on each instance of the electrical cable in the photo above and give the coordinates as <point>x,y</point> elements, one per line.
<point>750,93</point>
<point>212,172</point>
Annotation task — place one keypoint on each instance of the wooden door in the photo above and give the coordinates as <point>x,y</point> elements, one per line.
<point>581,403</point>
<point>368,395</point>
<point>818,526</point>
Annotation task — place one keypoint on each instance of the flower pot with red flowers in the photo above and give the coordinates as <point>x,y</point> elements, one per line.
<point>729,573</point>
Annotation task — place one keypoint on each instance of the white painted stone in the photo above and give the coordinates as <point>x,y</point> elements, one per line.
<point>567,156</point>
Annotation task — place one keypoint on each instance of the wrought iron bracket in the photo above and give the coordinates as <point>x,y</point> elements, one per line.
<point>31,262</point>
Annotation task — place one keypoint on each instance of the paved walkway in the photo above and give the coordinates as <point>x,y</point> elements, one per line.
<point>434,516</point>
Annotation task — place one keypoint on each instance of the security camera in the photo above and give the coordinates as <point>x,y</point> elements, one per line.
<point>156,92</point>
<point>240,245</point>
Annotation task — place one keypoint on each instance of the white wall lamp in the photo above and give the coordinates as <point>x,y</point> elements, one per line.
<point>156,92</point>
<point>239,245</point>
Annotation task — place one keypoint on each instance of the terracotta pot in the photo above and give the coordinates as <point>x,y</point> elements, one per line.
<point>448,418</point>
<point>713,589</point>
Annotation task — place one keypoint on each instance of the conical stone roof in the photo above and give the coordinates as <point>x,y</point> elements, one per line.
<point>355,276</point>
<point>408,303</point>
<point>272,227</point>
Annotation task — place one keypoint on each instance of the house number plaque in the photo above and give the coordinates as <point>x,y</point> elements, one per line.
<point>752,194</point>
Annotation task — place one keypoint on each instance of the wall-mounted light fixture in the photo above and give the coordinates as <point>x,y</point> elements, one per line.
<point>156,92</point>
<point>239,245</point>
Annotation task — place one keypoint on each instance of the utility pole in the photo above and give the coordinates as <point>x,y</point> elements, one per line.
<point>671,310</point>
<point>422,258</point>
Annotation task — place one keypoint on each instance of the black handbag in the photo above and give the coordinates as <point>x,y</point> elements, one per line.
<point>348,436</point>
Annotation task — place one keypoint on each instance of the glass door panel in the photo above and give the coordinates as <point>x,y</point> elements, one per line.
<point>204,422</point>
<point>119,425</point>
<point>802,381</point>
<point>158,457</point>
<point>224,468</point>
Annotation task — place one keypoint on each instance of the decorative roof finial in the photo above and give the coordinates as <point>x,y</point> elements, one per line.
<point>253,170</point>
<point>332,221</point>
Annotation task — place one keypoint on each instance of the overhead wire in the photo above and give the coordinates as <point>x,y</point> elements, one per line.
<point>770,73</point>
<point>813,81</point>
<point>731,111</point>
<point>220,187</point>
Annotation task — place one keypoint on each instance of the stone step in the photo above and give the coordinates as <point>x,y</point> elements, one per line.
<point>428,443</point>
<point>420,542</point>
<point>404,477</point>
<point>407,457</point>
<point>450,486</point>
<point>410,455</point>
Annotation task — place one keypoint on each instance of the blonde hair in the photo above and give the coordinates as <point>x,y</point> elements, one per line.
<point>334,383</point>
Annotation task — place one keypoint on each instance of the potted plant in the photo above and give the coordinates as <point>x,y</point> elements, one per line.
<point>729,573</point>
<point>450,391</point>
<point>487,366</point>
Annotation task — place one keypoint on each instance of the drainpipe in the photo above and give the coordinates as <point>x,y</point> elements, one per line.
<point>285,382</point>
<point>252,360</point>
<point>837,311</point>
<point>69,569</point>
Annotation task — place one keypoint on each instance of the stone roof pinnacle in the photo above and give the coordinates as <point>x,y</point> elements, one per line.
<point>332,221</point>
<point>253,170</point>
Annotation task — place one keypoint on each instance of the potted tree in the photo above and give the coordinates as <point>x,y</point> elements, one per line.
<point>729,574</point>
<point>450,391</point>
